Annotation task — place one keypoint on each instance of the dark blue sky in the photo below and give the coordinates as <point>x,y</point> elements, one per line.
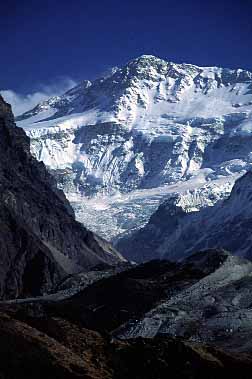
<point>42,41</point>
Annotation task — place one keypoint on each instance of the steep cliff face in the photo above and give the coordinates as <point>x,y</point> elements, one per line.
<point>147,125</point>
<point>40,241</point>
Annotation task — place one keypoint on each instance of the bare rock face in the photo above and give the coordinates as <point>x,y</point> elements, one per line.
<point>40,241</point>
<point>177,229</point>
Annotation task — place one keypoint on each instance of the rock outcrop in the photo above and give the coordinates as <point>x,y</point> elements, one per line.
<point>177,229</point>
<point>40,241</point>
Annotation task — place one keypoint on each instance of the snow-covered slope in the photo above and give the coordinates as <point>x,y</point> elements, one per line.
<point>148,125</point>
<point>178,228</point>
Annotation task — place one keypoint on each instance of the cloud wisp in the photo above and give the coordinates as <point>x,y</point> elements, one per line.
<point>21,103</point>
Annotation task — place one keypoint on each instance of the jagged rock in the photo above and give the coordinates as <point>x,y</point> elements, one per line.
<point>146,126</point>
<point>177,229</point>
<point>40,241</point>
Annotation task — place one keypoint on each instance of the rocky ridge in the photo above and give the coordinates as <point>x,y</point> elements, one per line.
<point>146,126</point>
<point>191,310</point>
<point>177,228</point>
<point>40,241</point>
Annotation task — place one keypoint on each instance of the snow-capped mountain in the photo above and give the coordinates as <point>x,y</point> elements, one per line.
<point>132,137</point>
<point>178,227</point>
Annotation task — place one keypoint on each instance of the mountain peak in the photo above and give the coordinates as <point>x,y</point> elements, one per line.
<point>147,58</point>
<point>148,124</point>
<point>145,62</point>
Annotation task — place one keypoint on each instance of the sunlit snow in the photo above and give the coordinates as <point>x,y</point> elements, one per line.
<point>120,144</point>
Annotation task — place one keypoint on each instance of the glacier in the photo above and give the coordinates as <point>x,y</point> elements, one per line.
<point>122,144</point>
<point>177,228</point>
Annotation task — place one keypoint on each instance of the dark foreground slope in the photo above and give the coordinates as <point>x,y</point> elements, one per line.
<point>61,350</point>
<point>40,241</point>
<point>78,337</point>
<point>207,298</point>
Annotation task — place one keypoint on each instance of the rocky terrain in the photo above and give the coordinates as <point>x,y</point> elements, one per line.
<point>62,350</point>
<point>216,309</point>
<point>150,132</point>
<point>119,144</point>
<point>40,241</point>
<point>205,299</point>
<point>177,228</point>
<point>196,312</point>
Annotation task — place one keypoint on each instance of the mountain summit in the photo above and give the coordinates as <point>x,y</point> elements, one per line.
<point>141,81</point>
<point>146,126</point>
